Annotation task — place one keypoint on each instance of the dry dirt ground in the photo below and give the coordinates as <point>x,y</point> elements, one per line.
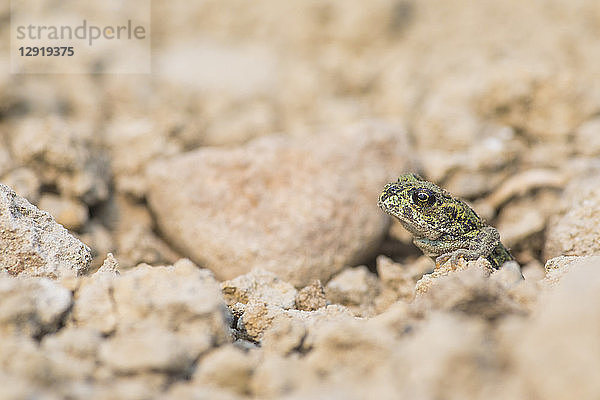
<point>211,230</point>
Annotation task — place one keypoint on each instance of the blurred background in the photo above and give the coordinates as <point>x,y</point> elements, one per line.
<point>500,101</point>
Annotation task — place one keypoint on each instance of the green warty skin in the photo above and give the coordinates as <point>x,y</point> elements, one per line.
<point>443,227</point>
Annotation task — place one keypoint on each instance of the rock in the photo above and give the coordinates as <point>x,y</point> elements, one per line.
<point>557,267</point>
<point>366,351</point>
<point>78,342</point>
<point>436,360</point>
<point>277,376</point>
<point>508,276</point>
<point>34,244</point>
<point>426,281</point>
<point>133,235</point>
<point>19,387</point>
<point>587,138</point>
<point>396,278</point>
<point>5,161</point>
<point>317,216</point>
<point>70,213</point>
<point>520,184</point>
<point>311,297</point>
<point>228,368</point>
<point>22,358</point>
<point>179,297</point>
<point>138,244</point>
<point>259,285</point>
<point>109,266</point>
<point>94,304</point>
<point>31,306</point>
<point>533,271</point>
<point>23,181</point>
<point>469,291</point>
<point>398,319</point>
<point>520,220</point>
<point>498,120</point>
<point>100,241</point>
<point>126,133</point>
<point>536,100</point>
<point>285,335</point>
<point>554,353</point>
<point>64,155</point>
<point>355,288</point>
<point>183,391</point>
<point>258,318</point>
<point>573,230</point>
<point>150,349</point>
<point>72,353</point>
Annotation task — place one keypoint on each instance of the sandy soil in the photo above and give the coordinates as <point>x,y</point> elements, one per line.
<point>211,230</point>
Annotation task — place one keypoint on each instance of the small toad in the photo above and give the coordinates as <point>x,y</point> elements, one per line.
<point>444,227</point>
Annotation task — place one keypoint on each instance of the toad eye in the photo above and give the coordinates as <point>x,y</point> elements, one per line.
<point>423,197</point>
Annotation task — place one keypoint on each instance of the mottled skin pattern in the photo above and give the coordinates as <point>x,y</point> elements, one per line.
<point>443,227</point>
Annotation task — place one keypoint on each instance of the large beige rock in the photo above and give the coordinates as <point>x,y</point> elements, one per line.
<point>300,208</point>
<point>33,243</point>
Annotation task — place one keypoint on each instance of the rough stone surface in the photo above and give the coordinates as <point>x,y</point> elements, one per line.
<point>556,268</point>
<point>259,285</point>
<point>311,297</point>
<point>34,244</point>
<point>298,208</point>
<point>110,266</point>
